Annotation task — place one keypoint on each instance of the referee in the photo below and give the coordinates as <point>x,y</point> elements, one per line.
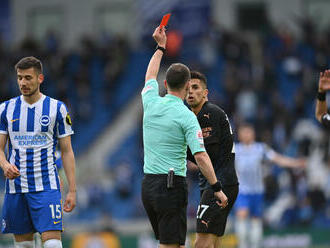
<point>321,112</point>
<point>219,144</point>
<point>168,127</point>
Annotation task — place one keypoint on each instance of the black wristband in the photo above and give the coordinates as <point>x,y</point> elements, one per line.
<point>160,48</point>
<point>216,187</point>
<point>321,96</point>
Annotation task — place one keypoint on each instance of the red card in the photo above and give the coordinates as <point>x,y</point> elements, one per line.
<point>165,20</point>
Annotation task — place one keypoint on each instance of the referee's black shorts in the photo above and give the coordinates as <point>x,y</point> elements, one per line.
<point>210,217</point>
<point>166,208</point>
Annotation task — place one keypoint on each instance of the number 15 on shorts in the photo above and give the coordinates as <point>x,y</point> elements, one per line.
<point>201,210</point>
<point>56,211</point>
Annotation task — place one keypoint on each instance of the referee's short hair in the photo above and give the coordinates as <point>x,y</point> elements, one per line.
<point>177,75</point>
<point>200,76</point>
<point>29,62</point>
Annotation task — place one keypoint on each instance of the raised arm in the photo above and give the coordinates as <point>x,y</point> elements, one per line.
<point>321,104</point>
<point>160,37</point>
<point>69,168</point>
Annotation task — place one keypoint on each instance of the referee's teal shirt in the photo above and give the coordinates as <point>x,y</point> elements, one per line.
<point>168,127</point>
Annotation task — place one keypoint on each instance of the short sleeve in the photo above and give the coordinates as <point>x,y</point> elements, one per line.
<point>193,133</point>
<point>326,120</point>
<point>150,91</point>
<point>3,118</point>
<point>269,153</point>
<point>64,125</point>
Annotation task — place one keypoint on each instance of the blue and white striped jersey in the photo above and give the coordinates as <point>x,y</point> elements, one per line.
<point>33,130</point>
<point>248,163</point>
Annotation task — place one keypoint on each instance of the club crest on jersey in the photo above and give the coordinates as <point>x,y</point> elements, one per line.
<point>44,120</point>
<point>68,119</point>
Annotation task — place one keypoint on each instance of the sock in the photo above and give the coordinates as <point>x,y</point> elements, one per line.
<point>24,244</point>
<point>256,233</point>
<point>241,230</point>
<point>53,243</point>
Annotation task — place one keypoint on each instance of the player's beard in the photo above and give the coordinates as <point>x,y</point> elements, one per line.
<point>195,104</point>
<point>30,93</point>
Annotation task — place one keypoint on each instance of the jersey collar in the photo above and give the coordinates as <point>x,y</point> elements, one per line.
<point>33,104</point>
<point>178,99</point>
<point>201,110</point>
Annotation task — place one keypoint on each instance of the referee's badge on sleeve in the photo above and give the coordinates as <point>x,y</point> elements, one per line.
<point>146,89</point>
<point>200,138</point>
<point>68,119</point>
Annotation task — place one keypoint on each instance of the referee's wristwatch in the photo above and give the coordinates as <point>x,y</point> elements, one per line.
<point>163,49</point>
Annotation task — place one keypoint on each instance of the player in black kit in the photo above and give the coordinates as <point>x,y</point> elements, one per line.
<point>218,140</point>
<point>321,111</point>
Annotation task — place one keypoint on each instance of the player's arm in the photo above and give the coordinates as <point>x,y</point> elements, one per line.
<point>321,104</point>
<point>205,165</point>
<point>194,137</point>
<point>68,161</point>
<point>285,161</point>
<point>10,171</point>
<point>160,37</point>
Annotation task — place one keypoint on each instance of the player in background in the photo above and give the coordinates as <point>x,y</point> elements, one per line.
<point>321,111</point>
<point>218,140</point>
<point>32,124</point>
<point>250,156</point>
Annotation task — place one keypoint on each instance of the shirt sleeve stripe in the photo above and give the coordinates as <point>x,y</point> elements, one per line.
<point>61,128</point>
<point>3,119</point>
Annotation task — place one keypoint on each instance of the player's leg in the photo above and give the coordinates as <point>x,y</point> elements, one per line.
<point>24,240</point>
<point>169,246</point>
<point>211,219</point>
<point>256,221</point>
<point>16,219</point>
<point>256,232</point>
<point>217,242</point>
<point>37,238</point>
<point>46,214</point>
<point>205,240</point>
<point>241,222</point>
<point>51,239</point>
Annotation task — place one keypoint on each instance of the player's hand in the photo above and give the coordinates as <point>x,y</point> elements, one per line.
<point>324,81</point>
<point>10,171</point>
<point>70,202</point>
<point>159,36</point>
<point>222,197</point>
<point>301,163</point>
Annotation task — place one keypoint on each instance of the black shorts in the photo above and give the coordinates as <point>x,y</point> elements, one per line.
<point>166,208</point>
<point>210,217</point>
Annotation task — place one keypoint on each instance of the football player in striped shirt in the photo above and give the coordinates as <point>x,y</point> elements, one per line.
<point>32,124</point>
<point>250,156</point>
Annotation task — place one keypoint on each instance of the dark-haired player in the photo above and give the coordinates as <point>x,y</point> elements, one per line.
<point>32,124</point>
<point>218,140</point>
